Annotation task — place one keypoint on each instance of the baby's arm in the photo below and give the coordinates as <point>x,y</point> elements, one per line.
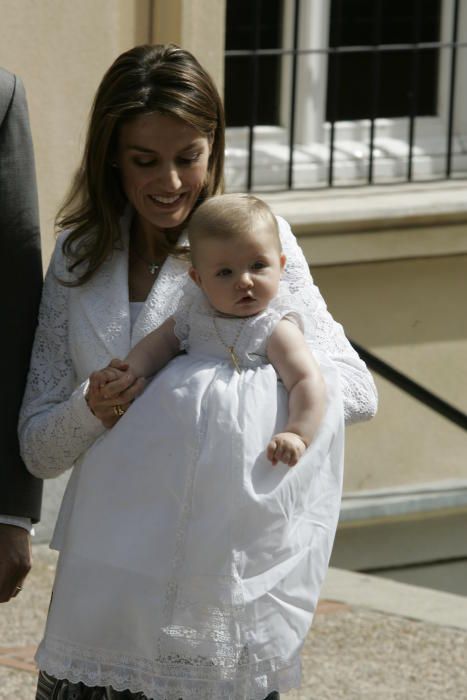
<point>152,353</point>
<point>300,373</point>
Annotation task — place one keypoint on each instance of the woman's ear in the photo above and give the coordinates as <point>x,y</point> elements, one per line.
<point>194,274</point>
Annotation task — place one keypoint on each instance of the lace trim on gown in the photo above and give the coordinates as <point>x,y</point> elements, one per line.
<point>191,680</point>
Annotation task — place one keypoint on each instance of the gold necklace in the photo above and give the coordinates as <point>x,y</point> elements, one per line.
<point>231,348</point>
<point>152,266</point>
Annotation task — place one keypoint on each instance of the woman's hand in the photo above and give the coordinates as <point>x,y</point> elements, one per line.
<point>111,391</point>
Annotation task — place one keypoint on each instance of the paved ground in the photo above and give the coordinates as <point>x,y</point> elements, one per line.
<point>51,500</point>
<point>352,653</point>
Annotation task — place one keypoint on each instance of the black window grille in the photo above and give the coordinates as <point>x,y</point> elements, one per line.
<point>251,26</point>
<point>393,45</point>
<point>405,77</point>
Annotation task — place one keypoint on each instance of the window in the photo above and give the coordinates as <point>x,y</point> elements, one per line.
<point>347,91</point>
<point>251,26</point>
<point>399,80</point>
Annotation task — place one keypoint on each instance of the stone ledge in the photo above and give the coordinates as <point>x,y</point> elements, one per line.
<point>449,494</point>
<point>391,597</point>
<point>374,224</point>
<point>344,248</point>
<point>370,208</point>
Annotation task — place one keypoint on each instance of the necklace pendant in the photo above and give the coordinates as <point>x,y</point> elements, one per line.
<point>234,359</point>
<point>153,268</point>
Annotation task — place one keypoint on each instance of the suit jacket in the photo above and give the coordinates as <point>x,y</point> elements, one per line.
<point>21,281</point>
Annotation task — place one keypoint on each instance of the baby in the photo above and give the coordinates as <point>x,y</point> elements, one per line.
<point>237,262</point>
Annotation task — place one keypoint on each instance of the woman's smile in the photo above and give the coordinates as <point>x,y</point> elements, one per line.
<point>159,199</point>
<point>163,166</point>
<point>166,203</point>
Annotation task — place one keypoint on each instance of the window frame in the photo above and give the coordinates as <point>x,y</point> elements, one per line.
<point>351,138</point>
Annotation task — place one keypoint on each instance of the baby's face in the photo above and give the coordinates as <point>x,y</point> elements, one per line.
<point>241,275</point>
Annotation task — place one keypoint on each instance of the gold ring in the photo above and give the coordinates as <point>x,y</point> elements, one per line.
<point>119,410</point>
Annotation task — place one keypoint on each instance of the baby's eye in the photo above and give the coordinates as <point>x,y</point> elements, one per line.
<point>258,265</point>
<point>225,272</point>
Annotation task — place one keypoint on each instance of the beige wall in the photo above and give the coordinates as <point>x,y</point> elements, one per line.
<point>197,25</point>
<point>61,48</point>
<point>411,313</point>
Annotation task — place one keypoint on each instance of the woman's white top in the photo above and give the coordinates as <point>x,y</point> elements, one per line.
<point>80,329</point>
<point>135,310</point>
<point>191,567</point>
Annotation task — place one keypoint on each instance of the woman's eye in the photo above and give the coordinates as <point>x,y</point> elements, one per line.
<point>224,272</point>
<point>189,159</point>
<point>144,163</point>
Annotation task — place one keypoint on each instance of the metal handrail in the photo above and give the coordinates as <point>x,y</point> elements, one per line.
<point>414,389</point>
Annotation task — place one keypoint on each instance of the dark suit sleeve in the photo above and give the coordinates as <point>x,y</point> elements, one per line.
<point>21,280</point>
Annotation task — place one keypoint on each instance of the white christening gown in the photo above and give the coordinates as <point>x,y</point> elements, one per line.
<point>191,567</point>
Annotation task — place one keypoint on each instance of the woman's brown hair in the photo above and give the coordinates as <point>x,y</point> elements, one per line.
<point>145,79</point>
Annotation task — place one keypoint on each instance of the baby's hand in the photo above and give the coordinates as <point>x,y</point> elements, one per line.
<point>102,379</point>
<point>286,448</point>
<point>111,390</point>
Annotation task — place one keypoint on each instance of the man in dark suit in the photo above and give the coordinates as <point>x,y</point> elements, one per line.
<point>21,280</point>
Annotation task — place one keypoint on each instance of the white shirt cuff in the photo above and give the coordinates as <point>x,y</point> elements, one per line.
<point>25,523</point>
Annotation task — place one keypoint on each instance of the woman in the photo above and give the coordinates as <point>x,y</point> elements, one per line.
<point>154,152</point>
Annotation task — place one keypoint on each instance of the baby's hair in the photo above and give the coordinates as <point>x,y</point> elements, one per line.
<point>229,216</point>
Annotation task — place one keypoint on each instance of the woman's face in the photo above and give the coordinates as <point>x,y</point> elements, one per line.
<point>163,165</point>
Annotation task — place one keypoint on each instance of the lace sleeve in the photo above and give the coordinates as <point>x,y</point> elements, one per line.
<point>55,424</point>
<point>327,336</point>
<point>181,316</point>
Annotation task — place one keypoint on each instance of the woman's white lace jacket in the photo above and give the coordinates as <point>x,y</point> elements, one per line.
<point>82,328</point>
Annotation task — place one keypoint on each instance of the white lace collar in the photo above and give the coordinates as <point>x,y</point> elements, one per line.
<point>105,299</point>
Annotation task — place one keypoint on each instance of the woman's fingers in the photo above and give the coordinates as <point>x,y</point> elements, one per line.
<point>128,395</point>
<point>111,414</point>
<point>118,386</point>
<point>111,391</point>
<point>114,371</point>
<point>109,411</point>
<point>111,382</point>
<point>101,377</point>
<point>119,364</point>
